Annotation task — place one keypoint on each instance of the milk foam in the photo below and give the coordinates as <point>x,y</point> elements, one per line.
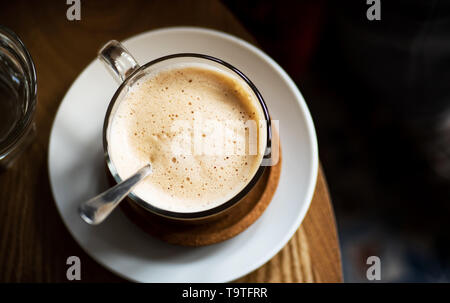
<point>142,130</point>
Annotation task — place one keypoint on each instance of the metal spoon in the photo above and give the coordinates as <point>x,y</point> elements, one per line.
<point>95,210</point>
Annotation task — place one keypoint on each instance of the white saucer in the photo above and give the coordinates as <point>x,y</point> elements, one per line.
<point>77,170</point>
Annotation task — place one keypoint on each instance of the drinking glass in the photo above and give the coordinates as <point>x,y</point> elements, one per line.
<point>17,97</point>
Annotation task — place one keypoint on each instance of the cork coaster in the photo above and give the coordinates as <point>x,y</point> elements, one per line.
<point>220,228</point>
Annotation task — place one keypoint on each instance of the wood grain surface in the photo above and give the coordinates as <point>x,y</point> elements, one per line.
<point>34,243</point>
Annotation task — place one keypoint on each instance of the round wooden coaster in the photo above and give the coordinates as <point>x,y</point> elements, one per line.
<point>220,228</point>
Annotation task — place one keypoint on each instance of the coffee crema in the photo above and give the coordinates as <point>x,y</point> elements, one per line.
<point>163,119</point>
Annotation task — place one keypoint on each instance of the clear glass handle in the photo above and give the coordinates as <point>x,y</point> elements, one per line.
<point>118,60</point>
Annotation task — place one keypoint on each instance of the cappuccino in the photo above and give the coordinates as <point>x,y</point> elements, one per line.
<point>201,129</point>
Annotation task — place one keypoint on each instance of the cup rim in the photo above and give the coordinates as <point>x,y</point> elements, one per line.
<point>208,212</point>
<point>16,134</point>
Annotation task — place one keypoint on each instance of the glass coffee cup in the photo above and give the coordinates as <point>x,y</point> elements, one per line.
<point>128,73</point>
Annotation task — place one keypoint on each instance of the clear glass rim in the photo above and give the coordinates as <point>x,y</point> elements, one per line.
<point>16,134</point>
<point>212,211</point>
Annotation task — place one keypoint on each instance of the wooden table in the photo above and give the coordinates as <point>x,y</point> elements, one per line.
<point>34,243</point>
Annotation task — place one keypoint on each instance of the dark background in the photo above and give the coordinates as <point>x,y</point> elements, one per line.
<point>379,95</point>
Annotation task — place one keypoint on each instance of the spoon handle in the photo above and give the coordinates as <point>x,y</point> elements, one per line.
<point>95,210</point>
